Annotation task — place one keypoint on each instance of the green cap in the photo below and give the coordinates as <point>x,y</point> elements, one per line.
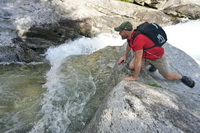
<point>124,26</point>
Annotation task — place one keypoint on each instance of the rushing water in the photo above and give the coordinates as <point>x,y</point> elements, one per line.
<point>21,92</point>
<point>30,105</point>
<point>185,36</point>
<point>59,115</point>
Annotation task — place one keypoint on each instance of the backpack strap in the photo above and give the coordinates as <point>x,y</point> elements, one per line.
<point>135,35</point>
<point>150,47</point>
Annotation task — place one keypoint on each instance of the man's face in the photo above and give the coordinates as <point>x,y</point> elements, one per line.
<point>123,34</point>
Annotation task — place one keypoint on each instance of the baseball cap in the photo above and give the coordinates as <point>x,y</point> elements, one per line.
<point>124,26</point>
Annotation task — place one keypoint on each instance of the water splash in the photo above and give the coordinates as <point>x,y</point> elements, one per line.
<point>61,103</point>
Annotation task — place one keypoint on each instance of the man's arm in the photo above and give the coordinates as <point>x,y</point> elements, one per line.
<point>123,58</point>
<point>137,65</point>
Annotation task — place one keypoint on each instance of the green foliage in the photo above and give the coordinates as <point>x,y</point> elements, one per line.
<point>131,1</point>
<point>154,85</point>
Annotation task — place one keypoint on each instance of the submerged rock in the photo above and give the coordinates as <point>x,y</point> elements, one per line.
<point>19,53</point>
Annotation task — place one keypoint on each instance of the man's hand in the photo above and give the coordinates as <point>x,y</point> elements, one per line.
<point>122,59</point>
<point>130,78</point>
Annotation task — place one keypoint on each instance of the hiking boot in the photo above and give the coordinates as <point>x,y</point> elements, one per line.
<point>188,81</point>
<point>152,68</point>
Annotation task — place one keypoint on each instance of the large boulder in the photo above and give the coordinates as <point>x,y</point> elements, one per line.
<point>190,11</point>
<point>151,104</point>
<point>177,8</point>
<point>92,83</point>
<point>133,107</point>
<point>89,19</point>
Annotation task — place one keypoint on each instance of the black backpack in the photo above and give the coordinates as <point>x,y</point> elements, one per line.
<point>153,31</point>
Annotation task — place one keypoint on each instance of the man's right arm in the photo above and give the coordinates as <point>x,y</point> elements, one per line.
<point>123,58</point>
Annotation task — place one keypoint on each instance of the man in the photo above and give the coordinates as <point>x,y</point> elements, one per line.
<point>154,56</point>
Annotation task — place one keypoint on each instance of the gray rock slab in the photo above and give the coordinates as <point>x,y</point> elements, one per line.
<point>132,107</point>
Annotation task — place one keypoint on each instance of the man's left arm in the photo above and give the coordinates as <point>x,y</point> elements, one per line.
<point>137,65</point>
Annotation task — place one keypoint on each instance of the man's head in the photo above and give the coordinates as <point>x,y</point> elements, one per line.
<point>124,29</point>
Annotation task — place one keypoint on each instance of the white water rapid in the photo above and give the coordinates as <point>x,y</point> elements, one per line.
<point>185,36</point>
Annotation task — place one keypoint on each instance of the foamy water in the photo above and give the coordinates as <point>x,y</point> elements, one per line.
<point>56,116</point>
<point>82,45</point>
<point>185,36</point>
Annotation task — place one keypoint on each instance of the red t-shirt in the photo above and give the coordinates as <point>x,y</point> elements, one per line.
<point>142,42</point>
